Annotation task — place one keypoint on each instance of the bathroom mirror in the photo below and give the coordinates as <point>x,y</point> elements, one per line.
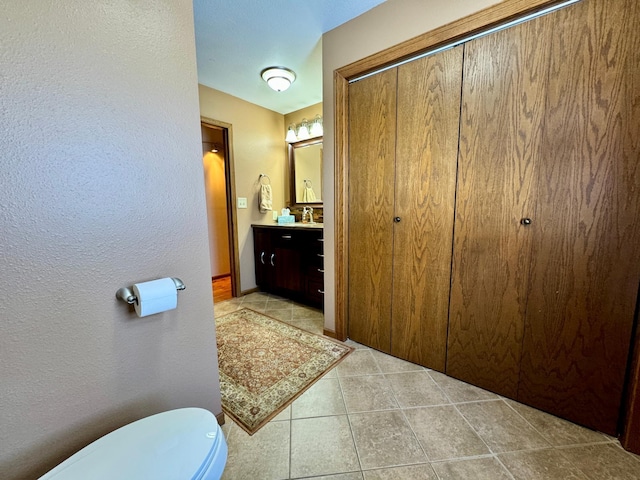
<point>305,172</point>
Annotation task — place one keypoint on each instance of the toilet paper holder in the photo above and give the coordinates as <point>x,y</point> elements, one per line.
<point>126,293</point>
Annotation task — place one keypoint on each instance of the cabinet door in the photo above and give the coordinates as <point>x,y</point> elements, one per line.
<point>287,246</point>
<point>372,128</point>
<point>501,125</point>
<point>262,252</point>
<point>586,251</point>
<point>426,157</point>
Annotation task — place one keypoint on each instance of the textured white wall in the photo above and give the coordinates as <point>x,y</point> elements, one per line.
<point>101,186</point>
<point>384,26</point>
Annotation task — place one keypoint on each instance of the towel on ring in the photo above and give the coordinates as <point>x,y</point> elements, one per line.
<point>265,198</point>
<point>308,195</point>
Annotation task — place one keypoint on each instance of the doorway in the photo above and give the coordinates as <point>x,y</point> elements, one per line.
<point>219,181</point>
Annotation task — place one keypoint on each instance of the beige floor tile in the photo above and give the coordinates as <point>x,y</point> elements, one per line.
<point>459,391</point>
<point>324,398</point>
<point>367,393</point>
<point>416,389</point>
<point>265,455</point>
<point>308,324</point>
<point>444,434</point>
<point>500,427</point>
<point>556,430</point>
<point>541,465</point>
<point>356,345</point>
<point>255,296</point>
<point>300,313</point>
<point>341,476</point>
<point>322,446</point>
<point>276,304</point>
<point>413,472</point>
<point>279,314</point>
<point>283,415</point>
<point>257,305</point>
<point>359,362</point>
<point>384,439</point>
<point>477,469</point>
<point>223,308</point>
<point>389,364</point>
<point>604,462</point>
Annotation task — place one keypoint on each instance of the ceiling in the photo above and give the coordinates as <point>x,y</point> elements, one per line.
<point>237,39</point>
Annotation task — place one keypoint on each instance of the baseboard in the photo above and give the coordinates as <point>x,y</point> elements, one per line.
<point>247,292</point>
<point>220,418</point>
<point>218,277</point>
<point>330,333</point>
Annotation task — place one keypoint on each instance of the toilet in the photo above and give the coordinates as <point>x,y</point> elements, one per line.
<point>179,444</point>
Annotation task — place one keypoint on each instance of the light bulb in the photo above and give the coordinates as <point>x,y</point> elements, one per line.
<point>291,134</point>
<point>303,131</point>
<point>316,127</point>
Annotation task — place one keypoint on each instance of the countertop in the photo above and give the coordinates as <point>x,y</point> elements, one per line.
<point>290,225</point>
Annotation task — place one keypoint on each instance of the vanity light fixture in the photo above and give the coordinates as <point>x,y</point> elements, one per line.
<point>305,130</point>
<point>278,78</point>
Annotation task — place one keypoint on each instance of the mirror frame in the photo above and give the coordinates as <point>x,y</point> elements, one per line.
<point>292,171</point>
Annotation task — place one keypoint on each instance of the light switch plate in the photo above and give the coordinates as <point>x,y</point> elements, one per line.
<point>275,215</point>
<point>242,202</point>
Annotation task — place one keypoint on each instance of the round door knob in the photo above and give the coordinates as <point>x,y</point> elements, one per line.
<point>396,219</point>
<point>525,221</point>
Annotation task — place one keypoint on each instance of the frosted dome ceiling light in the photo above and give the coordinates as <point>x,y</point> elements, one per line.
<point>278,78</point>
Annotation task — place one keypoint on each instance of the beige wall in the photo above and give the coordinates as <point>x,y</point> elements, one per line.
<point>386,25</point>
<point>258,147</point>
<point>101,186</point>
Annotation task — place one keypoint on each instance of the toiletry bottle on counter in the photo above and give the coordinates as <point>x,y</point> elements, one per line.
<point>305,215</point>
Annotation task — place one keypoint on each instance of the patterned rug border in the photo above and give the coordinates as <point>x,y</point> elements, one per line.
<point>276,324</point>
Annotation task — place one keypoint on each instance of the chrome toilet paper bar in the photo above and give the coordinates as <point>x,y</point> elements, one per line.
<point>126,293</point>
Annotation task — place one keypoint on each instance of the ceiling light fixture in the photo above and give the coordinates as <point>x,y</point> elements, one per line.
<point>278,78</point>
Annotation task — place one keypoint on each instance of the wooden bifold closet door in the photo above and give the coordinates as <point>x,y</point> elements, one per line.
<point>546,256</point>
<point>403,148</point>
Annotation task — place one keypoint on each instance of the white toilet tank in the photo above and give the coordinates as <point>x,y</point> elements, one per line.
<point>179,444</point>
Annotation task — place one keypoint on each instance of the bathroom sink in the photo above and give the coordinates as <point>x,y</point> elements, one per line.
<point>306,225</point>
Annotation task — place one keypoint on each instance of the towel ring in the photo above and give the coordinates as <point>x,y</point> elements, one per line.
<point>262,177</point>
<point>307,183</point>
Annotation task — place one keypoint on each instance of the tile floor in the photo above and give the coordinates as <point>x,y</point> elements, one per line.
<point>378,417</point>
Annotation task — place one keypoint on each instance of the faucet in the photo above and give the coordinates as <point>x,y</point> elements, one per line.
<point>310,210</point>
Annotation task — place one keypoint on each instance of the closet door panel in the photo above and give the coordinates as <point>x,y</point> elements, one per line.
<point>586,253</point>
<point>501,127</point>
<point>372,129</point>
<point>426,157</point>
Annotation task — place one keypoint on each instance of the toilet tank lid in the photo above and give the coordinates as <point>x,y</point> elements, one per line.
<point>169,445</point>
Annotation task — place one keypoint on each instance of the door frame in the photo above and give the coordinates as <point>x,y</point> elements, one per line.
<point>479,22</point>
<point>230,185</point>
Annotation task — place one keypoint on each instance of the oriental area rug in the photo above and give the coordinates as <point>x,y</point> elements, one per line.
<point>265,364</point>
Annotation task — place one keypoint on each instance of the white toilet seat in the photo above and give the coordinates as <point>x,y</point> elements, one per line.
<point>179,444</point>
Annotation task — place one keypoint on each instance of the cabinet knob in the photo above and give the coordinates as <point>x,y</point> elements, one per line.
<point>525,221</point>
<point>396,219</point>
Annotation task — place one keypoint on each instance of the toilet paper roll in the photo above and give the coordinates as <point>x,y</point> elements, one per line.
<point>155,296</point>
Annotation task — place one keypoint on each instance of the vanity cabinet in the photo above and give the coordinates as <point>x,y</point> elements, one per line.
<point>289,262</point>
